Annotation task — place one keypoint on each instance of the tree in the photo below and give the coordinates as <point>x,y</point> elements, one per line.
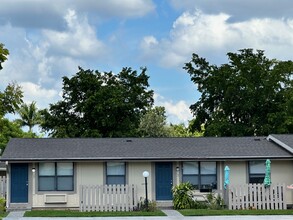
<point>9,130</point>
<point>97,104</point>
<point>3,54</point>
<point>153,123</point>
<point>180,130</point>
<point>29,115</point>
<point>250,95</point>
<point>10,99</point>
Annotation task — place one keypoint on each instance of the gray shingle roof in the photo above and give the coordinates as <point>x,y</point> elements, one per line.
<point>142,149</point>
<point>284,140</point>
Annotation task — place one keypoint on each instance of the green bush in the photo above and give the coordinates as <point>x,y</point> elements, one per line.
<point>182,198</point>
<point>2,205</point>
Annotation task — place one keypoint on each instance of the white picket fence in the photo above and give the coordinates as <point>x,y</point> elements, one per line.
<point>256,196</point>
<point>2,186</point>
<point>108,198</point>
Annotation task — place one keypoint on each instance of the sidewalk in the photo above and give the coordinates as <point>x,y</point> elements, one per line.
<point>171,215</point>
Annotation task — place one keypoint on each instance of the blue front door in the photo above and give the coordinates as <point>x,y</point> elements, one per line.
<point>164,181</point>
<point>19,183</point>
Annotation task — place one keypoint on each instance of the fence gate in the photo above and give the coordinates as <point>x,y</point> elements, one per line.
<point>108,198</point>
<point>256,196</point>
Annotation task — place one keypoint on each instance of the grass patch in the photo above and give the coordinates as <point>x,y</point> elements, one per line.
<point>208,212</point>
<point>69,213</point>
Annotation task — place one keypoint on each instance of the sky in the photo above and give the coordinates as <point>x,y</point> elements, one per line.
<point>50,39</point>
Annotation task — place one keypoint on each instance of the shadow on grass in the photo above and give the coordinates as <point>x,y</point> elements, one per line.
<point>208,212</point>
<point>70,213</point>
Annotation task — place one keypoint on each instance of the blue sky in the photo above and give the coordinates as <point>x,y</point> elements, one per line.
<point>50,39</point>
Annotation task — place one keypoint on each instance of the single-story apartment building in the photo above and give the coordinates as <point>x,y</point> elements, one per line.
<point>48,172</point>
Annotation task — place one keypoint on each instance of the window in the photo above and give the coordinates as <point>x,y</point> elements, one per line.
<point>202,175</point>
<point>56,177</point>
<point>256,171</point>
<point>115,173</point>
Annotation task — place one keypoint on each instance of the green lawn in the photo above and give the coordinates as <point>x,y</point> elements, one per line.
<point>68,213</point>
<point>206,212</point>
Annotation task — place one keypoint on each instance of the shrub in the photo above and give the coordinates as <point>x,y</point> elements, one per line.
<point>182,196</point>
<point>2,205</point>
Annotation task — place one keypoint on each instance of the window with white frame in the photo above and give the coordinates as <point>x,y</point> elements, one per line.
<point>202,175</point>
<point>256,171</point>
<point>56,176</point>
<point>115,173</point>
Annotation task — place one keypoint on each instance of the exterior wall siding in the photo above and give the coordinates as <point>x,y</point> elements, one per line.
<point>135,170</point>
<point>282,172</point>
<point>93,173</point>
<point>238,172</point>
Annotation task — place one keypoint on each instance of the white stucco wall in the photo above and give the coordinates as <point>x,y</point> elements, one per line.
<point>135,170</point>
<point>90,173</point>
<point>238,172</point>
<point>282,172</point>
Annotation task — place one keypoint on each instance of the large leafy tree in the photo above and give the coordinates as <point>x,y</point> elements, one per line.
<point>100,104</point>
<point>250,95</point>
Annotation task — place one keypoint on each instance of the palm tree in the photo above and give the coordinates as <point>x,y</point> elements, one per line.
<point>29,115</point>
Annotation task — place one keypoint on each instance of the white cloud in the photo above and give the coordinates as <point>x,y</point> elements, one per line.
<point>45,14</point>
<point>79,40</point>
<point>149,42</point>
<point>212,36</point>
<point>42,96</point>
<point>239,10</point>
<point>42,60</point>
<point>125,8</point>
<point>177,112</point>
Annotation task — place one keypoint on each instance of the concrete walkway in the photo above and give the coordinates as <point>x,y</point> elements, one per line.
<point>171,215</point>
<point>15,215</point>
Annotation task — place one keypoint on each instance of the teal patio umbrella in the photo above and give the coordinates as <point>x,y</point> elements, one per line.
<point>227,177</point>
<point>267,180</point>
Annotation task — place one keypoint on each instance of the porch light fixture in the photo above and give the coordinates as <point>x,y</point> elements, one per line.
<point>33,169</point>
<point>177,169</point>
<point>146,174</point>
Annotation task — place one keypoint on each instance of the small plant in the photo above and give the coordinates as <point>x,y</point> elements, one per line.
<point>214,202</point>
<point>151,207</point>
<point>182,198</point>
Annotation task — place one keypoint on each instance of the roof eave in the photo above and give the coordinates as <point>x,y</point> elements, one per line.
<point>146,158</point>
